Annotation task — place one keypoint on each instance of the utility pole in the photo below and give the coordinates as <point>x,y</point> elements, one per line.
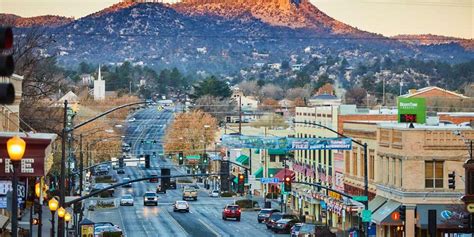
<point>383,92</point>
<point>240,115</point>
<point>62,186</point>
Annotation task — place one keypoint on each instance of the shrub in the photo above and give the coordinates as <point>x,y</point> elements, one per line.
<point>246,203</point>
<point>228,194</point>
<point>272,195</point>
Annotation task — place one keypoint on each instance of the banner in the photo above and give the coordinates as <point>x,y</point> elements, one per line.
<point>411,110</point>
<point>261,142</point>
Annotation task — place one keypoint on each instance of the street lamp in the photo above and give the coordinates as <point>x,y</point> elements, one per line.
<point>61,212</point>
<point>67,219</point>
<point>53,206</point>
<point>16,150</point>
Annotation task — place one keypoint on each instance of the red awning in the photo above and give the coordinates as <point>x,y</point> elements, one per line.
<point>281,174</point>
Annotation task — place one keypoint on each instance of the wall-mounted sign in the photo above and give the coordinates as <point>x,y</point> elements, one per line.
<point>411,110</point>
<point>261,142</point>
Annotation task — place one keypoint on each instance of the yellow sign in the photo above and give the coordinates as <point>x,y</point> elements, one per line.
<point>334,195</point>
<point>87,231</point>
<point>470,207</point>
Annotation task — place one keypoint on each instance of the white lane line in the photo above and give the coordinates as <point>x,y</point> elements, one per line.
<point>121,220</point>
<point>208,227</point>
<point>176,223</point>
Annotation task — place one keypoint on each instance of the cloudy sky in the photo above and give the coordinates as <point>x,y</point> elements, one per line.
<point>388,17</point>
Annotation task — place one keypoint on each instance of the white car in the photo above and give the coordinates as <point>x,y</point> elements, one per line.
<point>126,200</point>
<point>181,206</point>
<point>214,193</point>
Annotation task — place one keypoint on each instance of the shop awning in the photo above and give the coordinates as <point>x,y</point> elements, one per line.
<point>376,203</point>
<point>236,180</point>
<point>259,173</point>
<point>242,159</point>
<point>3,221</point>
<point>281,174</point>
<point>441,220</point>
<point>272,172</point>
<point>277,151</point>
<point>383,215</point>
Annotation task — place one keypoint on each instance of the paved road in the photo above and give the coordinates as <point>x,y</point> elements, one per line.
<point>204,218</point>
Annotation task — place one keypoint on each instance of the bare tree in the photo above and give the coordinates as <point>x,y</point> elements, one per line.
<point>271,91</point>
<point>249,88</point>
<point>298,92</point>
<point>356,95</point>
<point>218,108</point>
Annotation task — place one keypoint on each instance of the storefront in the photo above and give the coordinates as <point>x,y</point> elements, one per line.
<point>387,218</point>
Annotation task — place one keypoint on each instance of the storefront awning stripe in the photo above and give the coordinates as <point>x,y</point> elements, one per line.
<point>243,159</point>
<point>384,212</point>
<point>376,203</point>
<point>259,173</point>
<point>276,152</point>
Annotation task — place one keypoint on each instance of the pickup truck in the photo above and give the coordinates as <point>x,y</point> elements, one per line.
<point>190,193</point>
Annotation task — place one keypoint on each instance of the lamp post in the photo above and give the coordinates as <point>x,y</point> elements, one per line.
<point>39,187</point>
<point>16,150</point>
<point>53,206</point>
<point>67,219</point>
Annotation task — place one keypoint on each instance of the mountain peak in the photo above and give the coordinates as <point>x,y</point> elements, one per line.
<point>286,13</point>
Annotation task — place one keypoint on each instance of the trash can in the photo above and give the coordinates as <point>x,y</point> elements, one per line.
<point>268,204</point>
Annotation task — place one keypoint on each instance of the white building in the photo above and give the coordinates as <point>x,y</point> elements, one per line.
<point>99,88</point>
<point>247,102</point>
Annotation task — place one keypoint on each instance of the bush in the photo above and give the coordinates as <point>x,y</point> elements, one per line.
<point>272,195</point>
<point>246,203</point>
<point>228,194</point>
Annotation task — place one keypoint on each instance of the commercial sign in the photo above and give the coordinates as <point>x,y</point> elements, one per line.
<point>33,163</point>
<point>261,142</point>
<point>269,180</point>
<point>411,110</point>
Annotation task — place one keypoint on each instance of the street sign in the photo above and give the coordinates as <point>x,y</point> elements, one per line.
<point>470,207</point>
<point>366,216</point>
<point>269,180</point>
<point>360,198</point>
<point>193,157</point>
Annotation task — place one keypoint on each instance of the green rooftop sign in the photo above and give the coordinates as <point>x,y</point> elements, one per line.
<point>193,157</point>
<point>411,110</point>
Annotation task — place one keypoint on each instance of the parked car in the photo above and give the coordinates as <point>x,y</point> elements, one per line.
<point>231,211</point>
<point>120,171</point>
<point>309,230</point>
<point>276,216</point>
<point>160,189</point>
<point>214,193</point>
<point>100,231</point>
<point>127,179</point>
<point>150,198</point>
<point>126,200</point>
<point>181,206</point>
<point>295,230</point>
<point>264,214</point>
<point>284,225</point>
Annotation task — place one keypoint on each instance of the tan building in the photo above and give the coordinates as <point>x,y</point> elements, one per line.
<point>10,114</point>
<point>411,170</point>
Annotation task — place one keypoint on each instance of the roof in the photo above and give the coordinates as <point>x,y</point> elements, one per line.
<point>242,159</point>
<point>405,126</point>
<point>324,97</point>
<point>70,97</point>
<point>281,174</point>
<point>429,88</point>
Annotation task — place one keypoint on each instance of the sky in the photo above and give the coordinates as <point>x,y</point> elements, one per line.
<point>387,17</point>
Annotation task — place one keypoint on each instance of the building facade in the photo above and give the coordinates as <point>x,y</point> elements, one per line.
<point>10,114</point>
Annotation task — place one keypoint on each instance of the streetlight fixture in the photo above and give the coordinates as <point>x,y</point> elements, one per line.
<point>61,212</point>
<point>53,206</point>
<point>67,219</point>
<point>16,150</point>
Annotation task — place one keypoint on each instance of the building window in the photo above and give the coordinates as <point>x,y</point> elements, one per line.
<point>371,164</point>
<point>272,158</point>
<point>354,163</point>
<point>347,159</point>
<point>434,174</point>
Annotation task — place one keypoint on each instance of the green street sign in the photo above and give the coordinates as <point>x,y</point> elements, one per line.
<point>360,198</point>
<point>193,157</point>
<point>366,215</point>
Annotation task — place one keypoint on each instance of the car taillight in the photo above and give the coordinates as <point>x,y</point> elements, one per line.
<point>238,210</point>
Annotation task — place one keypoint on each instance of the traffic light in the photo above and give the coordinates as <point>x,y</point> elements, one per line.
<point>7,65</point>
<point>452,180</point>
<point>241,179</point>
<point>287,184</point>
<point>35,221</point>
<point>147,161</point>
<point>402,211</point>
<point>180,158</point>
<point>154,141</point>
<point>204,159</point>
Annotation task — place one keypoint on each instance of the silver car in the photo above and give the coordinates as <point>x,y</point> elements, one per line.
<point>181,206</point>
<point>126,200</point>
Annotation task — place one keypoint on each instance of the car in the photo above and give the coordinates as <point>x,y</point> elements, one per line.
<point>105,230</point>
<point>120,171</point>
<point>160,189</point>
<point>154,178</point>
<point>150,198</point>
<point>214,193</point>
<point>126,200</point>
<point>276,216</point>
<point>264,214</point>
<point>190,193</point>
<point>231,211</point>
<point>172,184</point>
<point>295,230</point>
<point>127,179</point>
<point>181,206</point>
<point>284,225</point>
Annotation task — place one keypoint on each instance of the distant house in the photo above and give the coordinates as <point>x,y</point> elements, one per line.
<point>202,50</point>
<point>442,100</point>
<point>87,79</point>
<point>70,97</point>
<point>433,92</point>
<point>297,67</point>
<point>276,66</point>
<point>247,102</point>
<point>324,99</point>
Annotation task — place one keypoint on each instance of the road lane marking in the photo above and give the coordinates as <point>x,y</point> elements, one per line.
<point>166,211</point>
<point>208,227</point>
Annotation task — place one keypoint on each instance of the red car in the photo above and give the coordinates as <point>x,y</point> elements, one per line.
<point>231,211</point>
